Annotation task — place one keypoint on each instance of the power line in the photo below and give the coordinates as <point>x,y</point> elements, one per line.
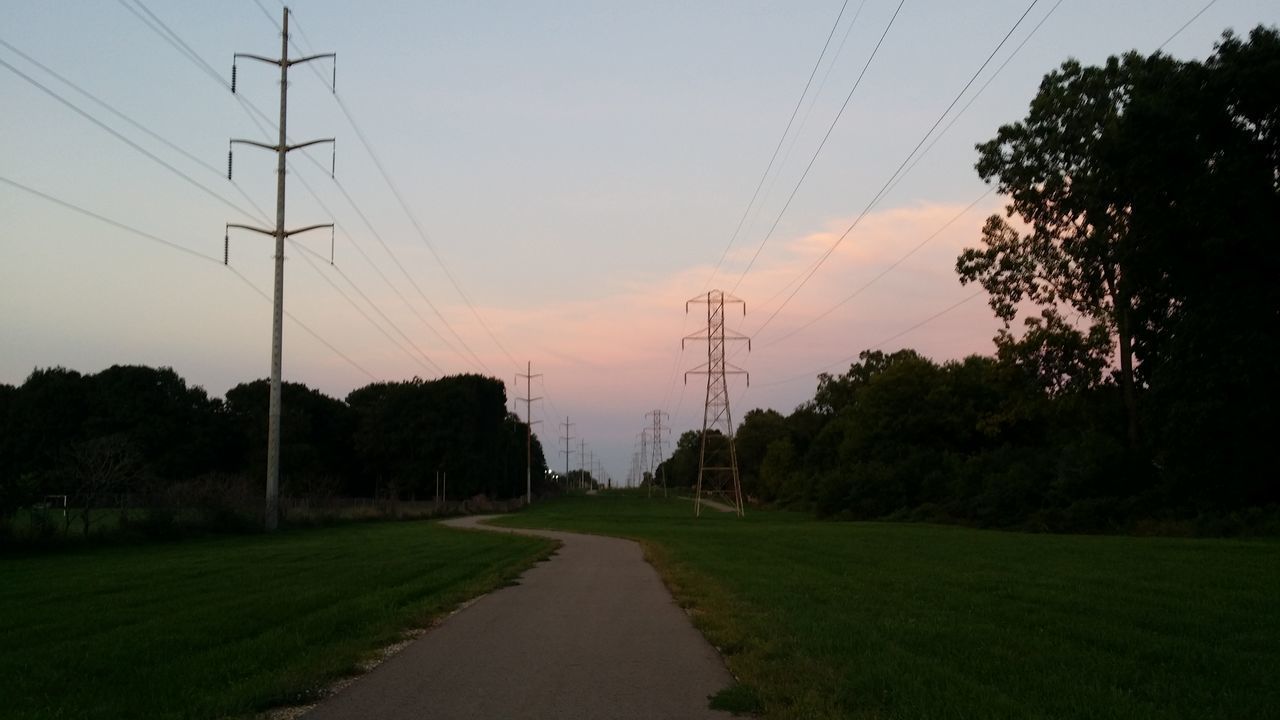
<point>916,162</point>
<point>151,156</point>
<point>154,135</point>
<point>413,283</point>
<point>175,40</point>
<point>102,218</point>
<point>157,26</point>
<point>1186,24</point>
<point>395,191</point>
<point>183,249</point>
<point>878,345</point>
<point>305,252</point>
<point>422,233</point>
<point>890,268</point>
<point>385,279</point>
<point>262,293</point>
<point>804,277</point>
<point>404,206</point>
<point>821,144</point>
<point>799,101</point>
<point>188,155</point>
<point>813,99</point>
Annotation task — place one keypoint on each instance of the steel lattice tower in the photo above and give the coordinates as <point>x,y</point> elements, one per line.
<point>718,460</point>
<point>655,461</point>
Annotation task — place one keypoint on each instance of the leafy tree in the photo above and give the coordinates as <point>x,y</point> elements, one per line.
<point>1148,187</point>
<point>1149,190</point>
<point>315,432</point>
<point>175,429</point>
<point>1059,357</point>
<point>759,428</point>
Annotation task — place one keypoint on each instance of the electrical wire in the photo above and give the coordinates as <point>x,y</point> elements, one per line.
<point>799,101</point>
<point>422,234</point>
<point>116,134</point>
<point>360,251</point>
<point>303,325</point>
<point>1187,24</point>
<point>151,133</point>
<point>805,276</point>
<point>197,160</point>
<point>822,144</point>
<point>911,167</point>
<point>878,345</point>
<point>104,219</point>
<point>174,39</point>
<point>888,269</point>
<point>187,251</point>
<point>165,32</point>
<point>305,253</point>
<point>404,206</point>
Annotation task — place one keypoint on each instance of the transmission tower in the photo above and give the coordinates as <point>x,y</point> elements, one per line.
<point>528,421</point>
<point>717,460</point>
<point>567,451</point>
<point>644,453</point>
<point>281,148</point>
<point>655,461</point>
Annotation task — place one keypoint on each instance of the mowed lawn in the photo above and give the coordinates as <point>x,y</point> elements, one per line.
<point>229,626</point>
<point>882,620</point>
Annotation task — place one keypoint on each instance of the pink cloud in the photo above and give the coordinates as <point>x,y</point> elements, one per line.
<point>620,354</point>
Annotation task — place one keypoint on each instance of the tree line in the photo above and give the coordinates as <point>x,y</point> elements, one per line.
<point>143,437</point>
<point>1139,249</point>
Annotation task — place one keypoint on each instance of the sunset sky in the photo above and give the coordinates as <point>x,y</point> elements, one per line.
<point>578,167</point>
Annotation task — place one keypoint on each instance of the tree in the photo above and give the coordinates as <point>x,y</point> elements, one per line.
<point>759,428</point>
<point>1060,358</point>
<point>99,469</point>
<point>1149,189</point>
<point>1064,170</point>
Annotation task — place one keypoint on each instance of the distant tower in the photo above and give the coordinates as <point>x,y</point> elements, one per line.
<point>718,460</point>
<point>658,456</point>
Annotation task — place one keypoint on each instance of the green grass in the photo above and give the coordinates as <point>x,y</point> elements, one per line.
<point>228,626</point>
<point>881,620</point>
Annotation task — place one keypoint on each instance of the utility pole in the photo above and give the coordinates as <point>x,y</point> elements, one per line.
<point>281,148</point>
<point>528,421</point>
<point>655,461</point>
<point>582,463</point>
<point>717,460</point>
<point>567,451</point>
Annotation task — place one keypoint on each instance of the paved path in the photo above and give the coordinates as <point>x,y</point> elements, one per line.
<point>592,633</point>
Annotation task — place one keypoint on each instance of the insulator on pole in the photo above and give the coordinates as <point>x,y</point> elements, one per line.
<point>228,163</point>
<point>233,77</point>
<point>334,86</point>
<point>226,246</point>
<point>333,160</point>
<point>331,243</point>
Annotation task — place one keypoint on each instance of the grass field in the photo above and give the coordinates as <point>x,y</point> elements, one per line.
<point>880,620</point>
<point>227,626</point>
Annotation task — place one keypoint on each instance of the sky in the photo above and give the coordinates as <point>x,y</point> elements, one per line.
<point>519,182</point>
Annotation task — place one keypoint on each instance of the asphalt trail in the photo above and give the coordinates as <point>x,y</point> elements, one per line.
<point>592,633</point>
